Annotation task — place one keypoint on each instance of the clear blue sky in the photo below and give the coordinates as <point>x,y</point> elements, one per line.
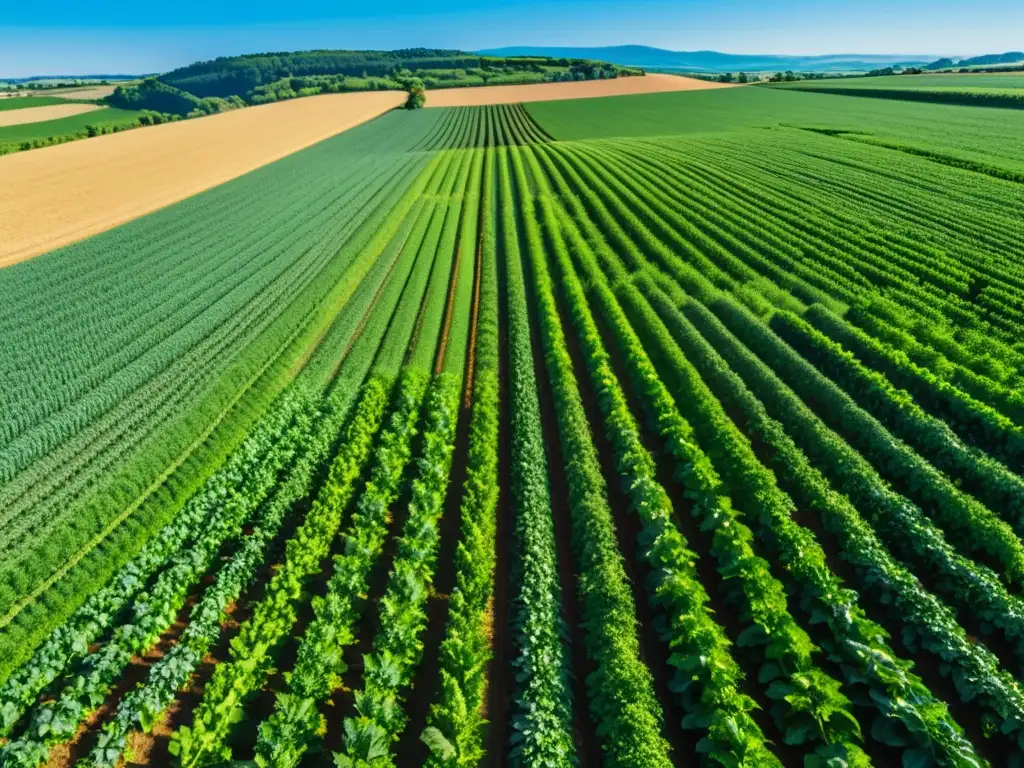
<point>75,37</point>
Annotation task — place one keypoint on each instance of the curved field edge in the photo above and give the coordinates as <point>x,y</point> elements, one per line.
<point>59,195</point>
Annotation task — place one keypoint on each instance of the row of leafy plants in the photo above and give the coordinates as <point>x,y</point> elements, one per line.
<point>391,668</point>
<point>245,479</point>
<point>455,723</point>
<point>620,688</point>
<point>973,588</point>
<point>807,704</point>
<point>980,475</point>
<point>894,690</point>
<point>541,712</point>
<point>926,622</point>
<point>708,680</point>
<point>56,720</point>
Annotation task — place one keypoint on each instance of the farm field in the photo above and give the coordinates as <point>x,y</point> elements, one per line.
<point>88,92</point>
<point>38,114</point>
<point>25,102</point>
<point>514,94</point>
<point>651,430</point>
<point>14,136</point>
<point>944,81</point>
<point>58,195</point>
<point>59,198</point>
<point>986,139</point>
<point>996,89</point>
<point>57,95</point>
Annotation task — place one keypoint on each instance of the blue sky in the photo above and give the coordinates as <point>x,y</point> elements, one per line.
<point>74,37</point>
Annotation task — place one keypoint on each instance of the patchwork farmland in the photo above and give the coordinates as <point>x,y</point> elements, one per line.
<point>635,431</point>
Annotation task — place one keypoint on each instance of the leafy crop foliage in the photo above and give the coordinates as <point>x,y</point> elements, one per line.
<point>695,441</point>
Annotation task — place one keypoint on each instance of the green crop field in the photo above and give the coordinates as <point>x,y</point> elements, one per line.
<point>64,128</point>
<point>1005,90</point>
<point>943,81</point>
<point>682,429</point>
<point>23,102</point>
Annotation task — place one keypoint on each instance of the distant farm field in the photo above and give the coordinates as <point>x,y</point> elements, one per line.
<point>34,114</point>
<point>12,136</point>
<point>950,81</point>
<point>999,90</point>
<point>27,102</point>
<point>645,431</point>
<point>513,94</point>
<point>88,92</point>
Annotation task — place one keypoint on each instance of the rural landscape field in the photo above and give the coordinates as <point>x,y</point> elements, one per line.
<point>513,411</point>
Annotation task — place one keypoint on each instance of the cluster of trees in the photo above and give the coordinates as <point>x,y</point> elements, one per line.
<point>723,77</point>
<point>227,83</point>
<point>789,76</point>
<point>155,96</point>
<point>262,74</point>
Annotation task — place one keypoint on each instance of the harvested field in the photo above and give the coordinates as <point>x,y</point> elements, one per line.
<point>54,196</point>
<point>514,94</point>
<point>42,114</point>
<point>95,92</point>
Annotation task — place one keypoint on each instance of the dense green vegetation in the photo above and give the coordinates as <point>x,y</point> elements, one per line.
<point>159,97</point>
<point>647,431</point>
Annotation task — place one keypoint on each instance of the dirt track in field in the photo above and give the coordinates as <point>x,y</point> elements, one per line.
<point>513,94</point>
<point>41,114</point>
<point>57,195</point>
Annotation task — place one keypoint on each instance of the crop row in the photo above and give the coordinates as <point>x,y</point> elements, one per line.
<point>796,544</point>
<point>288,339</point>
<point>949,639</point>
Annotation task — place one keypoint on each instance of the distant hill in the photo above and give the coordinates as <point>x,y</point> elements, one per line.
<point>251,76</point>
<point>1011,57</point>
<point>989,59</point>
<point>713,61</point>
<point>239,75</point>
<point>230,82</point>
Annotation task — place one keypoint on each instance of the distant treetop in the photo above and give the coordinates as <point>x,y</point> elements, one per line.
<point>229,76</point>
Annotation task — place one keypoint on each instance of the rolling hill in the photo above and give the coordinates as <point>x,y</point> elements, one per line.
<point>714,61</point>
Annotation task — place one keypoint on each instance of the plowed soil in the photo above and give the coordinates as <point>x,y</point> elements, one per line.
<point>57,195</point>
<point>41,114</point>
<point>514,94</point>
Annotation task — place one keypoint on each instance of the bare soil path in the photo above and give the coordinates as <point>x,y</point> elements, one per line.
<point>57,195</point>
